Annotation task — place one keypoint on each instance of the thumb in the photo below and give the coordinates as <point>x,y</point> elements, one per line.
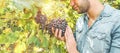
<point>66,33</point>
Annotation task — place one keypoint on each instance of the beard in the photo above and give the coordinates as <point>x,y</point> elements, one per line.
<point>84,7</point>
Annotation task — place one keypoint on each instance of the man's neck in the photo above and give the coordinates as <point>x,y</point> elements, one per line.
<point>95,9</point>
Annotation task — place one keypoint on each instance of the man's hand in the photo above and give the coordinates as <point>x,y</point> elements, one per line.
<point>70,41</point>
<point>57,33</point>
<point>68,38</point>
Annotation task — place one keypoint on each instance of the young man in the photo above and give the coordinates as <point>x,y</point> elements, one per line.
<point>97,30</point>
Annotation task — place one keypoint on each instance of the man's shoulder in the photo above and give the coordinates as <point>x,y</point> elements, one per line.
<point>115,18</point>
<point>116,15</point>
<point>112,13</point>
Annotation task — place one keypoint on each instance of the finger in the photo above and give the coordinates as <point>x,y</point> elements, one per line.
<point>56,32</point>
<point>69,29</point>
<point>66,33</point>
<point>53,30</point>
<point>60,35</point>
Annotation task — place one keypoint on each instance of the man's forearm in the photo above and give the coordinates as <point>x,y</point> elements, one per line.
<point>73,49</point>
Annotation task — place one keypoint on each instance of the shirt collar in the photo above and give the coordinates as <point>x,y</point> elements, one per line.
<point>107,11</point>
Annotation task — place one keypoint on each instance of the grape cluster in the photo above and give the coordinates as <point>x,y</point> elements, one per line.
<point>41,19</point>
<point>57,24</point>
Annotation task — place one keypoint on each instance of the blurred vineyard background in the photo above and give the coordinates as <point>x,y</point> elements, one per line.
<point>19,33</point>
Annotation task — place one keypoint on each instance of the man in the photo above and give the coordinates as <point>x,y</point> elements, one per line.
<point>97,30</point>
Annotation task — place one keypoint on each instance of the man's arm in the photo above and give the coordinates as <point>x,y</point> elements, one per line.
<point>115,42</point>
<point>70,41</point>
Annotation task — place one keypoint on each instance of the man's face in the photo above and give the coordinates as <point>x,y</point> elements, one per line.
<point>81,6</point>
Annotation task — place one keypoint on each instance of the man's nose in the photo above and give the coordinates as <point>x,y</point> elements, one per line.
<point>71,2</point>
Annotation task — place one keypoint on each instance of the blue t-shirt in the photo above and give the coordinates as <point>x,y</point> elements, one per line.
<point>103,36</point>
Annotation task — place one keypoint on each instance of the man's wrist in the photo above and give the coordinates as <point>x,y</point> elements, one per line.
<point>73,51</point>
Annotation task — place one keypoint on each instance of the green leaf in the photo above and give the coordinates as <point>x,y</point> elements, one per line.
<point>9,38</point>
<point>35,40</point>
<point>1,10</point>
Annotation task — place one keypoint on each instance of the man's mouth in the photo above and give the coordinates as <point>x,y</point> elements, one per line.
<point>75,8</point>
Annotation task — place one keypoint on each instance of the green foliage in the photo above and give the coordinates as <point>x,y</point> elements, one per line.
<point>19,33</point>
<point>114,3</point>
